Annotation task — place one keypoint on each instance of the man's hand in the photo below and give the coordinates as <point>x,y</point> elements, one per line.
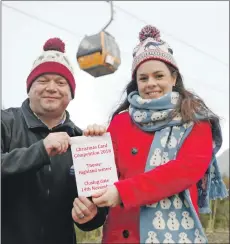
<point>94,130</point>
<point>83,210</point>
<point>56,143</point>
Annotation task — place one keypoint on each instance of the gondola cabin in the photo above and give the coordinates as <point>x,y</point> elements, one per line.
<point>99,54</point>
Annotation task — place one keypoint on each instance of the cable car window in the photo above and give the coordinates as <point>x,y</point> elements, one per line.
<point>111,46</point>
<point>89,45</point>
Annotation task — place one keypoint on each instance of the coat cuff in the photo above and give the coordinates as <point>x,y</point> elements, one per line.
<point>96,222</point>
<point>126,194</point>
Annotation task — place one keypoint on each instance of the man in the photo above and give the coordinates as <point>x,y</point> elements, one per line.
<point>38,190</point>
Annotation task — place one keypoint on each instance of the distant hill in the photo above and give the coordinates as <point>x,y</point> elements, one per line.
<point>223,162</point>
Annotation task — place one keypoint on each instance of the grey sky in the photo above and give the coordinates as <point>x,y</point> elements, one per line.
<point>204,25</point>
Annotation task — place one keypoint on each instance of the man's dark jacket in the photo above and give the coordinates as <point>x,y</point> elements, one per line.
<point>37,191</point>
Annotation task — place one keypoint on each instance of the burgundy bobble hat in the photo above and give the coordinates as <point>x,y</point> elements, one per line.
<point>151,47</point>
<point>54,61</point>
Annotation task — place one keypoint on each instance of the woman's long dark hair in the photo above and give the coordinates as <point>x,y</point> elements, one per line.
<point>189,104</point>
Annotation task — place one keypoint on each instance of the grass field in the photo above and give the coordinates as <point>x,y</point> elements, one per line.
<point>95,236</point>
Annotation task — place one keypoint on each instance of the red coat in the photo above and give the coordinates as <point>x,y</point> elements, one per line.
<point>136,188</point>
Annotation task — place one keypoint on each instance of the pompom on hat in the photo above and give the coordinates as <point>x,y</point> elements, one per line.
<point>151,47</point>
<point>54,61</point>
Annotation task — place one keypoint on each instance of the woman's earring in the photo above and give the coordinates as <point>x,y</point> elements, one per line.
<point>174,88</point>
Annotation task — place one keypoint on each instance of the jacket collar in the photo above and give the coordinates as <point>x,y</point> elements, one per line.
<point>33,121</point>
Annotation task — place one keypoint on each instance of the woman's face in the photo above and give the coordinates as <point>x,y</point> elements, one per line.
<point>154,79</point>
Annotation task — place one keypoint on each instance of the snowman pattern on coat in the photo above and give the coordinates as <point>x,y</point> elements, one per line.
<point>188,124</point>
<point>130,110</point>
<point>168,238</point>
<point>149,124</point>
<point>171,215</point>
<point>212,172</point>
<point>183,238</point>
<point>167,228</point>
<point>174,97</point>
<point>199,238</point>
<point>141,101</point>
<point>165,203</point>
<point>173,223</point>
<point>181,136</point>
<point>158,221</point>
<point>186,203</point>
<point>156,158</point>
<point>187,222</point>
<point>154,205</point>
<point>172,142</point>
<point>139,116</point>
<point>152,239</point>
<point>164,139</point>
<point>177,203</point>
<point>159,116</point>
<point>165,158</point>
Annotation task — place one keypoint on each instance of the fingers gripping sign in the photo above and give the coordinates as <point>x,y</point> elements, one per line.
<point>94,130</point>
<point>108,197</point>
<point>83,210</point>
<point>56,143</point>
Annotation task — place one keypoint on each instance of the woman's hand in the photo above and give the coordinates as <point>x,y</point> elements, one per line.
<point>108,197</point>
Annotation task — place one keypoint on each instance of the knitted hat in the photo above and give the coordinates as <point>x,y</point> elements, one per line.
<point>151,47</point>
<point>54,61</point>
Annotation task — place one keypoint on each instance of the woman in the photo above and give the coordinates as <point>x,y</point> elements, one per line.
<point>163,141</point>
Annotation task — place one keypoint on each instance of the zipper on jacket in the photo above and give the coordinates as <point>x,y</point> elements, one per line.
<point>49,170</point>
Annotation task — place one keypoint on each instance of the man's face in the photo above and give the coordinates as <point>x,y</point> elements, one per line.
<point>49,93</point>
